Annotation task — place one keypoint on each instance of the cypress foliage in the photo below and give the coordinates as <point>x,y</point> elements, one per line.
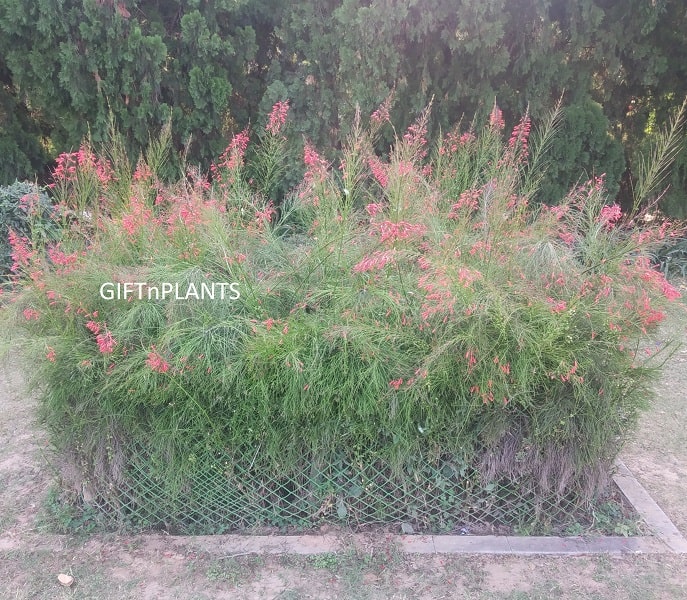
<point>216,67</point>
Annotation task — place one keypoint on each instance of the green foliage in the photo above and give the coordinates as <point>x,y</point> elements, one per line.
<point>26,210</point>
<point>61,516</point>
<point>585,148</point>
<point>609,518</point>
<point>137,60</point>
<point>654,168</point>
<point>215,67</point>
<point>671,257</point>
<point>663,152</point>
<point>20,148</point>
<point>674,202</point>
<point>399,319</point>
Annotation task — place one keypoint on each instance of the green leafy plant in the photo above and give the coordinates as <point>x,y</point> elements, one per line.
<point>25,210</point>
<point>671,257</point>
<point>608,518</point>
<point>59,515</point>
<point>328,560</point>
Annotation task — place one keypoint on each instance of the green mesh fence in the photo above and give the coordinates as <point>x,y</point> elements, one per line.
<point>222,494</point>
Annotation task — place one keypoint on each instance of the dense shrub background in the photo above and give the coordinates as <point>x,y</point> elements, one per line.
<point>216,66</point>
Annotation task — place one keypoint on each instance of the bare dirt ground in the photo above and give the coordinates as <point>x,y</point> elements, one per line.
<point>149,568</point>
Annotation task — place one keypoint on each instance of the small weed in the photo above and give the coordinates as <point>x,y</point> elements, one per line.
<point>528,528</point>
<point>603,568</point>
<point>290,595</point>
<point>328,560</point>
<point>60,516</point>
<point>574,529</point>
<point>293,560</point>
<point>609,519</point>
<point>228,570</point>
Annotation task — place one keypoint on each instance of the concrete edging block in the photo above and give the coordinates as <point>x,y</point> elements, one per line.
<point>659,523</point>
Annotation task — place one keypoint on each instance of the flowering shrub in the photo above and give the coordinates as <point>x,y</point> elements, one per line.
<point>25,210</point>
<point>392,311</point>
<point>80,180</point>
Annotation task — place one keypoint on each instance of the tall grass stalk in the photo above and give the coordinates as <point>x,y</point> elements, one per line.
<point>654,168</point>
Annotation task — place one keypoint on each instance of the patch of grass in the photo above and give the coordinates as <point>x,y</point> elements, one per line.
<point>548,590</point>
<point>328,560</point>
<point>290,595</point>
<point>473,575</point>
<point>32,575</point>
<point>225,570</point>
<point>233,570</point>
<point>7,518</point>
<point>603,568</point>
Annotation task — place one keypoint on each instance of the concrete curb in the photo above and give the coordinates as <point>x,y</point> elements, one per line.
<point>228,546</point>
<point>659,523</point>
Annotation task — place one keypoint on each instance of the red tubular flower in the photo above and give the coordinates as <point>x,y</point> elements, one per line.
<point>381,115</point>
<point>496,121</point>
<point>31,314</point>
<point>610,215</point>
<point>391,231</point>
<point>374,262</point>
<point>93,327</point>
<point>396,383</point>
<point>232,157</point>
<point>379,170</point>
<point>521,133</point>
<point>21,254</point>
<point>106,342</point>
<point>157,363</point>
<point>277,117</point>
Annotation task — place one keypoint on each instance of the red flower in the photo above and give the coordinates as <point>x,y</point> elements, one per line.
<point>520,136</point>
<point>396,383</point>
<point>277,117</point>
<point>469,200</point>
<point>30,314</point>
<point>557,306</point>
<point>157,363</point>
<point>232,157</point>
<point>312,159</point>
<point>265,216</point>
<point>379,170</point>
<point>609,215</point>
<point>93,327</point>
<point>376,261</point>
<point>21,254</point>
<point>106,342</point>
<point>392,231</point>
<point>381,115</point>
<point>496,121</point>
<point>669,291</point>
